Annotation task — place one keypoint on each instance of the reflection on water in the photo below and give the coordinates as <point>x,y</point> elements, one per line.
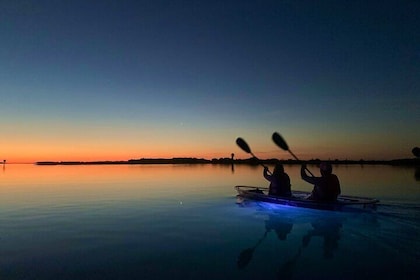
<point>324,227</point>
<point>182,222</point>
<point>281,227</point>
<point>323,245</point>
<point>246,255</point>
<point>329,230</point>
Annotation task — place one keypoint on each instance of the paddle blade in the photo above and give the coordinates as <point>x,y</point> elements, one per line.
<point>245,257</point>
<point>280,141</point>
<point>243,145</point>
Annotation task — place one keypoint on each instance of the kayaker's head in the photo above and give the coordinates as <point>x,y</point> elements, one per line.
<point>325,168</point>
<point>278,169</point>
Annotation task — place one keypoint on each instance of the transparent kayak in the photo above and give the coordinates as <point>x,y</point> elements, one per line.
<point>299,199</point>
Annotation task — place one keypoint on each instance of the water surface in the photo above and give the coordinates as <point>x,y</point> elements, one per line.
<point>183,222</point>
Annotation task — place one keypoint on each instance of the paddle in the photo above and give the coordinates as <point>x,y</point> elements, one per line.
<point>246,255</point>
<point>283,145</point>
<point>287,269</point>
<point>244,146</point>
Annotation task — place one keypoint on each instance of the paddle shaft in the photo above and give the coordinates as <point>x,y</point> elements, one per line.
<point>262,164</point>
<point>245,147</point>
<point>299,160</point>
<point>279,141</point>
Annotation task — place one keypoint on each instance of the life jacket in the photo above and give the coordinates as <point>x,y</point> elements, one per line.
<point>332,187</point>
<point>280,186</point>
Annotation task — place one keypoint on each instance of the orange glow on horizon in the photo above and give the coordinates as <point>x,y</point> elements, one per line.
<point>33,156</point>
<point>22,151</point>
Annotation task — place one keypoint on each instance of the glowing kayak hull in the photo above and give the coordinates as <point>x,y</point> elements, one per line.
<point>298,199</point>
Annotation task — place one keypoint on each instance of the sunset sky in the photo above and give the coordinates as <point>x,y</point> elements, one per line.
<point>116,80</point>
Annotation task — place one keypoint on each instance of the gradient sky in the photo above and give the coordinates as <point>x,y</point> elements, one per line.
<point>115,80</point>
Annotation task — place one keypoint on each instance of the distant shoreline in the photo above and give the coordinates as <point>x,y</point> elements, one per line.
<point>250,161</point>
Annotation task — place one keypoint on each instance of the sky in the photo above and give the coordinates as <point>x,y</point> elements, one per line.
<point>118,80</point>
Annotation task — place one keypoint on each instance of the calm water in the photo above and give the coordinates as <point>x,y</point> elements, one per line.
<point>183,222</point>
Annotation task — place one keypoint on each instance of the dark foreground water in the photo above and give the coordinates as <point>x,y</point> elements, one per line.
<point>183,222</point>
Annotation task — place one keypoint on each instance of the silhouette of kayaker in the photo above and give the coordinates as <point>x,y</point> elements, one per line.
<point>280,225</point>
<point>329,230</point>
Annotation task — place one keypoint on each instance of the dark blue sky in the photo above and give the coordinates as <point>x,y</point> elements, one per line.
<point>338,78</point>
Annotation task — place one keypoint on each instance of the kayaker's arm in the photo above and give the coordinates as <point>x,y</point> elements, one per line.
<point>316,181</point>
<point>309,179</point>
<point>266,174</point>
